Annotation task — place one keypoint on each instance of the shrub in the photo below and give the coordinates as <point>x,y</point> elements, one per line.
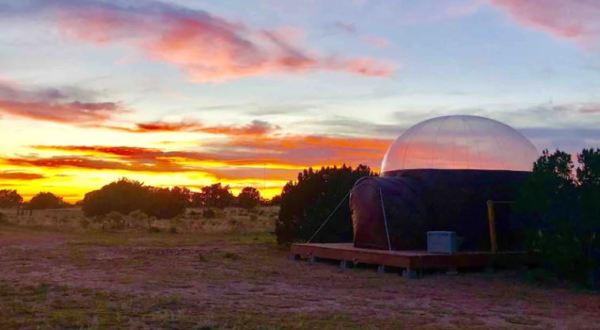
<point>208,214</point>
<point>139,219</point>
<point>84,223</point>
<point>115,220</point>
<point>194,214</point>
<point>307,202</point>
<point>563,205</point>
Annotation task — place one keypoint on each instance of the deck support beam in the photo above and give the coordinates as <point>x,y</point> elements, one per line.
<point>410,274</point>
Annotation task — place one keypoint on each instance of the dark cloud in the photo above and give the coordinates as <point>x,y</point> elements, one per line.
<point>55,105</point>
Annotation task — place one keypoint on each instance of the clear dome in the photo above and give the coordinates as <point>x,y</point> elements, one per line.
<point>460,142</point>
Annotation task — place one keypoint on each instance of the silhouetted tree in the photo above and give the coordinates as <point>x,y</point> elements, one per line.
<point>248,198</point>
<point>10,198</point>
<point>46,200</point>
<point>183,195</point>
<point>275,200</point>
<point>563,206</point>
<point>307,202</point>
<point>214,195</point>
<point>166,203</point>
<point>125,196</point>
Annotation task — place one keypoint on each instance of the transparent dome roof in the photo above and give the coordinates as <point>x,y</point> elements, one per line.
<point>460,142</point>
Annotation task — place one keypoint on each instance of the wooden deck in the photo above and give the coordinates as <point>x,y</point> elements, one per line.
<point>409,260</point>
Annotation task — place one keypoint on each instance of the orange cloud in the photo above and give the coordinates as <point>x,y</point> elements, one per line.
<point>256,127</point>
<point>9,175</point>
<point>206,47</point>
<point>266,162</point>
<point>570,19</point>
<point>289,152</point>
<point>313,150</point>
<point>95,164</point>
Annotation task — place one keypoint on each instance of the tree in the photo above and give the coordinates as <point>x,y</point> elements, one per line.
<point>46,200</point>
<point>183,195</point>
<point>307,202</point>
<point>248,198</point>
<point>550,187</point>
<point>10,198</point>
<point>589,171</point>
<point>215,195</point>
<point>166,203</point>
<point>588,228</point>
<point>562,205</point>
<point>275,200</point>
<point>125,196</point>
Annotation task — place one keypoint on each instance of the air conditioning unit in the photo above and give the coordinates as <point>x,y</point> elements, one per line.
<point>442,242</point>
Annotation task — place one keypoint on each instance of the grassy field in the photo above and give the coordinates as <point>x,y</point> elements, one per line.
<point>227,272</point>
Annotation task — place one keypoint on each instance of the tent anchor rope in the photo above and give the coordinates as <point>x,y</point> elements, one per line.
<point>387,233</point>
<point>328,217</point>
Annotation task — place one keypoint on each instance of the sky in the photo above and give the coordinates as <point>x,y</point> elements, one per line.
<point>248,93</point>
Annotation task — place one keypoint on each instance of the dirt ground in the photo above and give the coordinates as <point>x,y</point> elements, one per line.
<point>52,278</point>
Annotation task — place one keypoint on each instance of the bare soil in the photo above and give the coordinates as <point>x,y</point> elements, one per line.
<point>63,279</point>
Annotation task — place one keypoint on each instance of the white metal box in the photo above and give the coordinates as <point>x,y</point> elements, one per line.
<point>442,242</point>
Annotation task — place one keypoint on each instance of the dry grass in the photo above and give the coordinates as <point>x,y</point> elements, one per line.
<point>260,219</point>
<point>68,277</point>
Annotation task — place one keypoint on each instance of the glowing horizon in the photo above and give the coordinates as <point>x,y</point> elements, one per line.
<point>249,93</point>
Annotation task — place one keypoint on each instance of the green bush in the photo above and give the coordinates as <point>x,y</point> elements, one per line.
<point>564,209</point>
<point>307,202</point>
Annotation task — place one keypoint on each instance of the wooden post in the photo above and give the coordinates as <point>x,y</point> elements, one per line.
<point>492,226</point>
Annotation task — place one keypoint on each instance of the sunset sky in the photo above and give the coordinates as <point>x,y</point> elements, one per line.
<point>247,93</point>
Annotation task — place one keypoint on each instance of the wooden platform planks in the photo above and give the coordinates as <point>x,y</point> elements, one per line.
<point>412,260</point>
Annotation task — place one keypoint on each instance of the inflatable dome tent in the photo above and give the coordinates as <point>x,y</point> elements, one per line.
<point>439,175</point>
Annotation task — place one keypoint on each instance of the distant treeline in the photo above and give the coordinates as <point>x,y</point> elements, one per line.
<point>43,200</point>
<point>125,196</point>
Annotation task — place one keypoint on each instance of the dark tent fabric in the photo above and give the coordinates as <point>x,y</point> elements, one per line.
<point>417,201</point>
